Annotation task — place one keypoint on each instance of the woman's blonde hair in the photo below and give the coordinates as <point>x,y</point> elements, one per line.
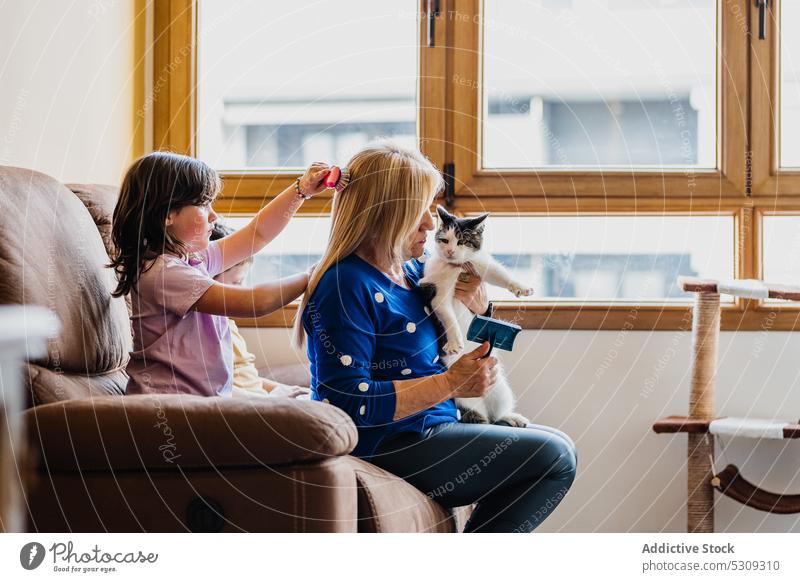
<point>390,188</point>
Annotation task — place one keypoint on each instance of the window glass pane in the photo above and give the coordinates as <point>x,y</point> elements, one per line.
<point>790,85</point>
<point>781,248</point>
<point>588,83</point>
<point>315,81</point>
<point>563,258</point>
<point>601,258</point>
<point>299,246</point>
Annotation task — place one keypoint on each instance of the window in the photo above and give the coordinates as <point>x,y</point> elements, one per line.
<point>299,246</point>
<point>790,87</point>
<point>774,69</point>
<point>607,258</point>
<point>618,144</point>
<point>599,84</point>
<point>599,98</point>
<point>311,81</point>
<point>781,249</point>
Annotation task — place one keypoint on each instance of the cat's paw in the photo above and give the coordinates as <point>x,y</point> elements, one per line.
<point>519,290</point>
<point>453,346</point>
<point>513,419</point>
<point>472,417</point>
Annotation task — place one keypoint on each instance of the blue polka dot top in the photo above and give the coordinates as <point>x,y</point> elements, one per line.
<point>364,331</point>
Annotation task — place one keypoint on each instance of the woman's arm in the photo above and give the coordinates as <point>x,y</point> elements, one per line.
<point>236,301</point>
<point>272,219</point>
<point>470,376</point>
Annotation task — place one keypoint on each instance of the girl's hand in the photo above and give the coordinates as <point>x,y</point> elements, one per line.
<point>312,182</point>
<point>471,291</point>
<point>472,375</point>
<point>289,391</point>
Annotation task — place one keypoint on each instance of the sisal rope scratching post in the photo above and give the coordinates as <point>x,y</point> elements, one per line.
<point>705,336</point>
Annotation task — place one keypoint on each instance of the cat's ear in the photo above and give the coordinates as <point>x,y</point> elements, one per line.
<point>474,223</point>
<point>446,217</point>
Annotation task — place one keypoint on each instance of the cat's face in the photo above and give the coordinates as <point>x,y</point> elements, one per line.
<point>458,239</point>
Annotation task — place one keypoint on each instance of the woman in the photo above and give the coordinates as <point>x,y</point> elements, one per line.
<point>374,353</point>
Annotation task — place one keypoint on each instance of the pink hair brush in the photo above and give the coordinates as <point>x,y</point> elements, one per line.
<point>337,178</point>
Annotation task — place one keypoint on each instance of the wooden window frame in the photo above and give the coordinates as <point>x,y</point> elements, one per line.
<point>770,182</point>
<point>545,184</point>
<point>450,132</point>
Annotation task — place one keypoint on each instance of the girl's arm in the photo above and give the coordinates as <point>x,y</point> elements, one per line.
<point>271,219</point>
<point>236,301</point>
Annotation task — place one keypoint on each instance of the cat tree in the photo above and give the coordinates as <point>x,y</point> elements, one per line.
<point>702,425</point>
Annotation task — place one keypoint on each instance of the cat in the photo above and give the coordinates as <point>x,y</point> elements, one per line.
<point>460,241</point>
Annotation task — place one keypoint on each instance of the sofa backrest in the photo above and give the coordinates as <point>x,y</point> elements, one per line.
<point>52,254</point>
<point>100,201</point>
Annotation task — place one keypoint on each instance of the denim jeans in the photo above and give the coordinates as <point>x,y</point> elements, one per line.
<point>516,476</point>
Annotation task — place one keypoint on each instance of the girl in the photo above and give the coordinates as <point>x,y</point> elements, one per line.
<point>164,260</point>
<point>246,378</point>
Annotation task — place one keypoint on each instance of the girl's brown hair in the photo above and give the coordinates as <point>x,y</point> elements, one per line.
<point>154,185</point>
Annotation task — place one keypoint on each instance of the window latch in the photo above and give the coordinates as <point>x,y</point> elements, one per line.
<point>449,185</point>
<point>433,11</point>
<point>762,18</point>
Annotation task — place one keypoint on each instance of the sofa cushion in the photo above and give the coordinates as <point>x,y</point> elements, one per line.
<point>48,386</point>
<point>289,374</point>
<point>52,255</point>
<point>100,201</point>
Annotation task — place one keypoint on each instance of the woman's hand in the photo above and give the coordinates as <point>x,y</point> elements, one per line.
<point>313,181</point>
<point>472,375</point>
<point>471,291</point>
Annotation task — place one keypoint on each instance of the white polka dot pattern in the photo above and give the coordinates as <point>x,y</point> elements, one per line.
<point>436,359</point>
<point>363,410</point>
<point>405,371</point>
<point>411,327</point>
<point>363,386</point>
<point>346,360</point>
<point>427,310</point>
<point>326,401</point>
<point>379,297</point>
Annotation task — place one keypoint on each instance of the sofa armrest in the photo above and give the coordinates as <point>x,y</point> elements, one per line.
<point>166,431</point>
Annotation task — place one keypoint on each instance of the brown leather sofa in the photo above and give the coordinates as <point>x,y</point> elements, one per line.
<point>100,461</point>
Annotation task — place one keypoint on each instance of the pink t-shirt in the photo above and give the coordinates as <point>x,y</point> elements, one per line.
<point>176,349</point>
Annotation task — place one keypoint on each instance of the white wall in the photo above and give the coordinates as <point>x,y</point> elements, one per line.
<point>67,87</point>
<point>592,385</point>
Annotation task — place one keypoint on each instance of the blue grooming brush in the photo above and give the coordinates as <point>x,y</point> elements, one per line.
<point>499,334</point>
